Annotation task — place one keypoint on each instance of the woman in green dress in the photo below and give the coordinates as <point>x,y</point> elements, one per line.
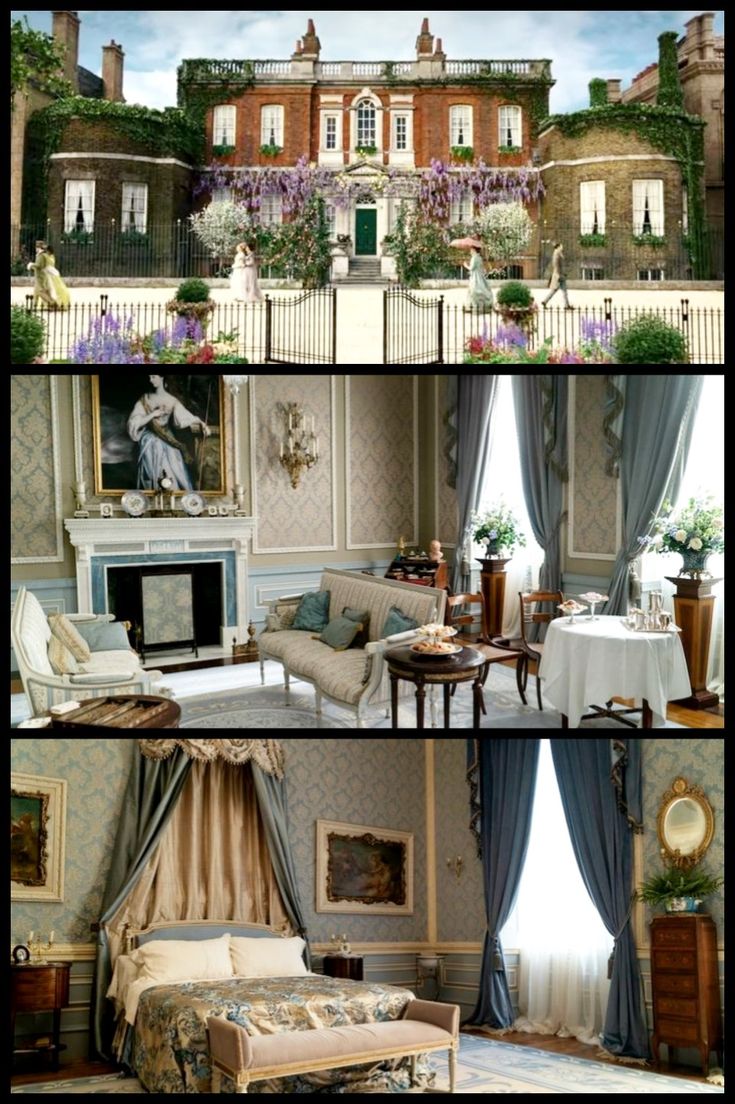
<point>47,283</point>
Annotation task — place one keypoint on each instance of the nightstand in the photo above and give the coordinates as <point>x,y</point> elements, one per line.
<point>344,966</point>
<point>39,988</point>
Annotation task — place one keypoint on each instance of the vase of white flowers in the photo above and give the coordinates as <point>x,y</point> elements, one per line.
<point>498,530</point>
<point>695,533</point>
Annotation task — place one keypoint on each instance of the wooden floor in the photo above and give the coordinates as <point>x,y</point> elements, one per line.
<point>75,1067</point>
<point>84,1068</point>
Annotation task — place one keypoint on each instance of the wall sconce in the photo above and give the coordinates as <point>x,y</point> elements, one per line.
<point>457,865</point>
<point>300,451</point>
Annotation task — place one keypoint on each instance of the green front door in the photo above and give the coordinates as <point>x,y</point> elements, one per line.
<point>366,232</point>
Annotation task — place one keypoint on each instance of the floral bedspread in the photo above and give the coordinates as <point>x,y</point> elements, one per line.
<point>170,1052</point>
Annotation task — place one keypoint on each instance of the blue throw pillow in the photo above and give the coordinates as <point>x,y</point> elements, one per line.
<point>397,622</point>
<point>103,636</point>
<point>313,612</point>
<point>340,633</point>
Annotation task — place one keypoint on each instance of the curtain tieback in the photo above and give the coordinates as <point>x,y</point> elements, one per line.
<point>497,957</point>
<point>616,937</point>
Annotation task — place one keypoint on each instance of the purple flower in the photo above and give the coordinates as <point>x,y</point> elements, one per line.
<point>510,336</point>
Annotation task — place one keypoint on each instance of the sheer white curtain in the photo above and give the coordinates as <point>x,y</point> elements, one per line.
<point>503,483</point>
<point>564,946</point>
<point>704,475</point>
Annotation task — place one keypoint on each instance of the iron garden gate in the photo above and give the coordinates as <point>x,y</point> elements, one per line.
<point>413,328</point>
<point>302,330</point>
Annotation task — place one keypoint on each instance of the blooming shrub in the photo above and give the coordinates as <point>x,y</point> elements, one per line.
<point>506,230</point>
<point>220,227</point>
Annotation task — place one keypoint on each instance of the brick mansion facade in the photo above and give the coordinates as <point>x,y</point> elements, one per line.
<point>378,128</point>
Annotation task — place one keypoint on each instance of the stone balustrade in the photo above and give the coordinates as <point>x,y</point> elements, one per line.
<point>295,70</point>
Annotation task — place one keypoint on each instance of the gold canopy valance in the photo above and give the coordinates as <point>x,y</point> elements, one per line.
<point>268,754</point>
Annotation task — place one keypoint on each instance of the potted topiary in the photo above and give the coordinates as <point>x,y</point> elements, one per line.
<point>192,301</point>
<point>649,340</point>
<point>678,890</point>
<point>515,304</point>
<point>27,337</point>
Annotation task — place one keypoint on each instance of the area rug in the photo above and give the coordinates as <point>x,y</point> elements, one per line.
<point>265,707</point>
<point>485,1066</point>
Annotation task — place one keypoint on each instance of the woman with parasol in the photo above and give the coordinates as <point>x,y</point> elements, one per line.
<point>479,292</point>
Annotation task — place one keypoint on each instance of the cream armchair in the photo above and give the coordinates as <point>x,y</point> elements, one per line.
<point>117,672</point>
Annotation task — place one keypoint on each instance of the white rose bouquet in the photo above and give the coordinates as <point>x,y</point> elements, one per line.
<point>698,527</point>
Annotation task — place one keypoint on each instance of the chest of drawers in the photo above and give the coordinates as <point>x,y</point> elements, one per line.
<point>685,984</point>
<point>40,988</point>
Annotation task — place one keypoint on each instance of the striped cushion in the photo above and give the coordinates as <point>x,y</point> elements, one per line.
<point>60,658</point>
<point>62,627</point>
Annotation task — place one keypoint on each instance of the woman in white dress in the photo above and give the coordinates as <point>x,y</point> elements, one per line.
<point>479,293</point>
<point>159,448</point>
<point>244,278</point>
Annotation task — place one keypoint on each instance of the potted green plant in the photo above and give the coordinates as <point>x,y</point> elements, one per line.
<point>515,304</point>
<point>678,890</point>
<point>192,301</point>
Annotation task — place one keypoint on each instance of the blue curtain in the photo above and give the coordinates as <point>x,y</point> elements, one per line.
<point>271,794</point>
<point>507,781</point>
<point>475,402</point>
<point>600,786</point>
<point>153,790</point>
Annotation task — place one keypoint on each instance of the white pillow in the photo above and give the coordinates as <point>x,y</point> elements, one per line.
<point>184,959</point>
<point>268,957</point>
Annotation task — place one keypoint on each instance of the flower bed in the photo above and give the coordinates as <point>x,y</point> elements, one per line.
<point>111,340</point>
<point>510,345</point>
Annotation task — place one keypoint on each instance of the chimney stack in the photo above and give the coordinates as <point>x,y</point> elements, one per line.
<point>614,94</point>
<point>65,31</point>
<point>425,42</point>
<point>112,72</point>
<point>311,44</point>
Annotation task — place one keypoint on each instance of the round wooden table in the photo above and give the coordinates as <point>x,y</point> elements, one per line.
<point>465,666</point>
<point>121,711</point>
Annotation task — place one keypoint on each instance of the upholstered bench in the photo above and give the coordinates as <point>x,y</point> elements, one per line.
<point>426,1026</point>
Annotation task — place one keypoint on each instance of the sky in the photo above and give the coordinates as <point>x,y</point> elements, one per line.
<point>581,44</point>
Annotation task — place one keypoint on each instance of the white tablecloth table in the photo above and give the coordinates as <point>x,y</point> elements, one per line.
<point>590,662</point>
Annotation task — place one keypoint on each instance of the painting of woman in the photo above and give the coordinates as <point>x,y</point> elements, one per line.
<point>158,449</point>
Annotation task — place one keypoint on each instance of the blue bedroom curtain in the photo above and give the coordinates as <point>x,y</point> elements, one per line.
<point>600,786</point>
<point>153,789</point>
<point>507,781</point>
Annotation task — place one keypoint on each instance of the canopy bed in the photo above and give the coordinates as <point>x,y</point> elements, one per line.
<point>201,918</point>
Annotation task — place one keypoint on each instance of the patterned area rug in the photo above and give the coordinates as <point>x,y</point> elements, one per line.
<point>485,1066</point>
<point>265,707</point>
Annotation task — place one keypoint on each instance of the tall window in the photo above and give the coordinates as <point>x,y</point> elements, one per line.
<point>704,475</point>
<point>592,206</point>
<point>510,127</point>
<point>330,214</point>
<point>271,125</point>
<point>400,133</point>
<point>224,125</point>
<point>564,945</point>
<point>648,207</point>
<point>461,210</point>
<point>135,207</point>
<point>330,132</point>
<point>366,126</point>
<point>271,211</point>
<point>79,206</point>
<point>460,125</point>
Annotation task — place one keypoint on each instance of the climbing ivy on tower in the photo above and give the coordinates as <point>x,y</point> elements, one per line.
<point>670,93</point>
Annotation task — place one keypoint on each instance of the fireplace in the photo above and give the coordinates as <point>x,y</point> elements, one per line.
<point>216,549</point>
<point>126,601</point>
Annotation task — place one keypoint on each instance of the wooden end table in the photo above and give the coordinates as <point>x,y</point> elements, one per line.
<point>465,666</point>
<point>122,711</point>
<point>345,966</point>
<point>39,987</point>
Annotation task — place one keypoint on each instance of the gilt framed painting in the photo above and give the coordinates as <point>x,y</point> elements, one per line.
<point>147,425</point>
<point>363,870</point>
<point>37,831</point>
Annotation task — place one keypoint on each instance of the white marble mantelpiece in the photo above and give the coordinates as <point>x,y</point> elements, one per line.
<point>162,537</point>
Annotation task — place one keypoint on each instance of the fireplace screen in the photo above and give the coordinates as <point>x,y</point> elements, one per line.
<point>168,616</point>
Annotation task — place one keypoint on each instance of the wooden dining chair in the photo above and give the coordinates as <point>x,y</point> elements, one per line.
<point>490,653</point>
<point>533,649</point>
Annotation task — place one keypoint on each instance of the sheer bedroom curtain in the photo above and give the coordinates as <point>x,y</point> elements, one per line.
<point>564,945</point>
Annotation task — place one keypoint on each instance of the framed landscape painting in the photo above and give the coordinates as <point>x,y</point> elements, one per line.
<point>363,870</point>
<point>37,827</point>
<point>145,425</point>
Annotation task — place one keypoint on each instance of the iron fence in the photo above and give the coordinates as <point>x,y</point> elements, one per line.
<point>302,330</point>
<point>413,328</point>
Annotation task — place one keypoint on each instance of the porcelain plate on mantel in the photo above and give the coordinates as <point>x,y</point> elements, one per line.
<point>193,504</point>
<point>133,503</point>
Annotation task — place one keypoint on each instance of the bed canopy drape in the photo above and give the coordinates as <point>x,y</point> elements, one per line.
<point>203,835</point>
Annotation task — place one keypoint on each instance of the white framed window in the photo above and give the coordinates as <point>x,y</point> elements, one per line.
<point>330,213</point>
<point>510,126</point>
<point>271,211</point>
<point>330,132</point>
<point>225,118</point>
<point>271,125</point>
<point>400,133</point>
<point>134,207</point>
<point>460,125</point>
<point>461,210</point>
<point>648,207</point>
<point>79,206</point>
<point>651,274</point>
<point>592,206</point>
<point>366,124</point>
<point>593,272</point>
<point>221,195</point>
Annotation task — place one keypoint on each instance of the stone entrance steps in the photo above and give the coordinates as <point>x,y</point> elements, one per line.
<point>365,270</point>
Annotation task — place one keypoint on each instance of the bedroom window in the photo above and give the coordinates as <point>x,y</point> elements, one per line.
<point>564,945</point>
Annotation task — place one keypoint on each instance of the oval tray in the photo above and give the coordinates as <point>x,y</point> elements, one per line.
<point>435,655</point>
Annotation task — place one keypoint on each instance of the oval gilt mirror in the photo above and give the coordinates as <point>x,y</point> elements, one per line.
<point>685,824</point>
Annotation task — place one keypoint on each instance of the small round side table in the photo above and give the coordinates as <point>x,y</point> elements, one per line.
<point>465,666</point>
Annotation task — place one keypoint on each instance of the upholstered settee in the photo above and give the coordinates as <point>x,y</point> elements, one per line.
<point>352,678</point>
<point>106,672</point>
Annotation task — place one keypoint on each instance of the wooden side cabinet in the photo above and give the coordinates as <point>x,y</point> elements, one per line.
<point>345,966</point>
<point>39,988</point>
<point>686,985</point>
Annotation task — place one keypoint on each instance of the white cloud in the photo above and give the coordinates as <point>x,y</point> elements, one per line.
<point>152,87</point>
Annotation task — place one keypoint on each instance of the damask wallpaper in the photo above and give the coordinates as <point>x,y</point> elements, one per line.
<point>34,526</point>
<point>291,519</point>
<point>460,902</point>
<point>96,772</point>
<point>594,493</point>
<point>381,447</point>
<point>447,520</point>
